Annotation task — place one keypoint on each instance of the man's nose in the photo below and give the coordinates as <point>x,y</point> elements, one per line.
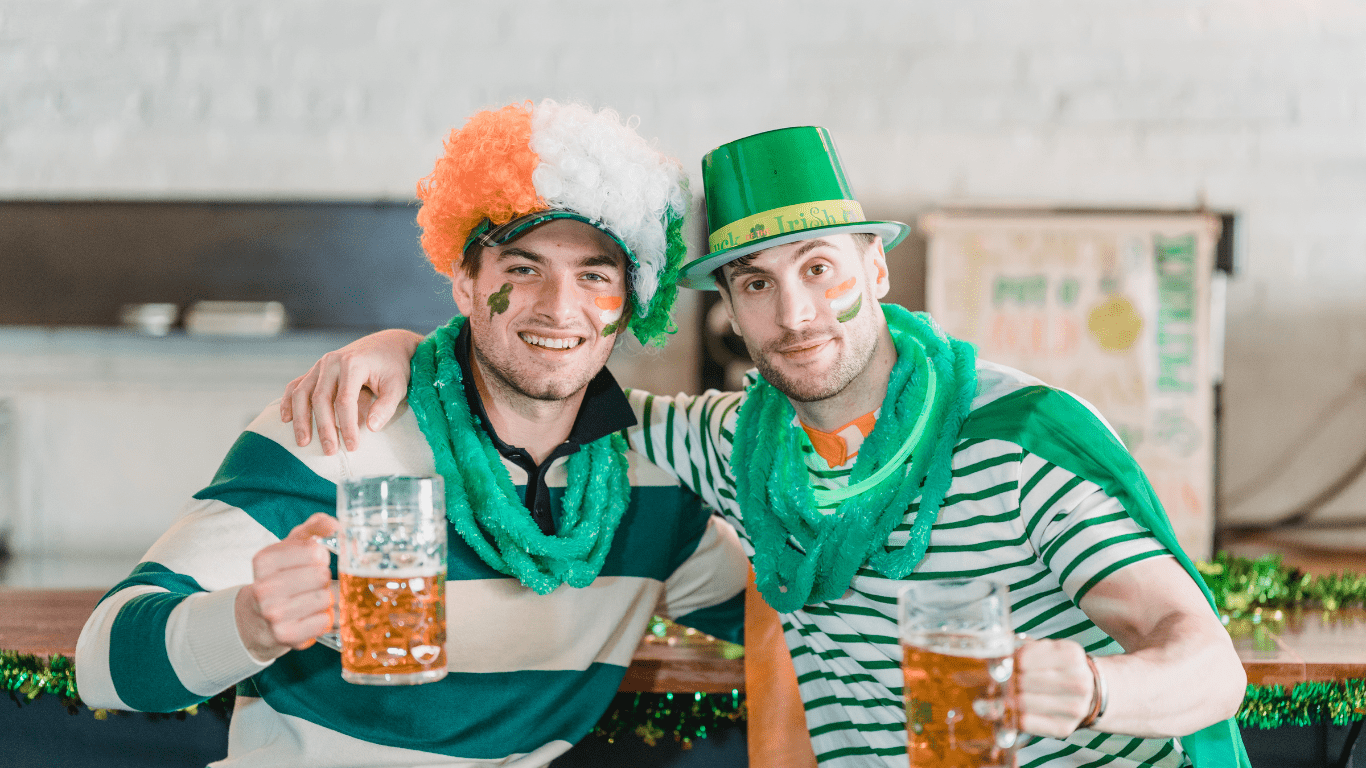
<point>796,307</point>
<point>558,300</point>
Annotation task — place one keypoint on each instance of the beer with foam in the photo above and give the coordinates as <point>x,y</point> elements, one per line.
<point>393,625</point>
<point>959,701</point>
<point>391,562</point>
<point>959,666</point>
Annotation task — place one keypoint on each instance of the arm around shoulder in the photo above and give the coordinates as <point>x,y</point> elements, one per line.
<point>688,436</point>
<point>363,382</point>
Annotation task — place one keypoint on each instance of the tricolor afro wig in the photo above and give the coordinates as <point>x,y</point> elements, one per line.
<point>523,164</point>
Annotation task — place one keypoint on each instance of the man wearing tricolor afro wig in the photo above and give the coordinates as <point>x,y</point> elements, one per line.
<point>509,170</point>
<point>558,227</point>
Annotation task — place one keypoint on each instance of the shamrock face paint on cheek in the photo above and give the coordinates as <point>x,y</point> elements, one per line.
<point>498,302</point>
<point>609,312</point>
<point>845,300</point>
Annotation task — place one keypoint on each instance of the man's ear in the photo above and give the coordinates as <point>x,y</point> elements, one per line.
<point>730,310</point>
<point>462,289</point>
<point>878,274</point>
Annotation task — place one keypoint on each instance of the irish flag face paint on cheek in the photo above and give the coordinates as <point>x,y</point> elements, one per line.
<point>609,312</point>
<point>852,311</point>
<point>845,300</point>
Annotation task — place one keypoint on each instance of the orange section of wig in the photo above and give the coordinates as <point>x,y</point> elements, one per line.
<point>485,173</point>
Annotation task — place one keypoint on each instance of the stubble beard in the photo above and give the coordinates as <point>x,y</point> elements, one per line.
<point>806,389</point>
<point>505,372</point>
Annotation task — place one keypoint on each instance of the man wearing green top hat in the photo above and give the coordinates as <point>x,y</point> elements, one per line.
<point>870,449</point>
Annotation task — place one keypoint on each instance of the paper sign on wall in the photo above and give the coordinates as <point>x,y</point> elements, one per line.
<point>1114,308</point>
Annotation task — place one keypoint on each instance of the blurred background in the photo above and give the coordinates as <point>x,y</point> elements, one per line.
<point>173,151</point>
<point>159,154</point>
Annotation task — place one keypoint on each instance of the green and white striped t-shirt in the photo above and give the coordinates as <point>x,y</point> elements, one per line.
<point>1008,514</point>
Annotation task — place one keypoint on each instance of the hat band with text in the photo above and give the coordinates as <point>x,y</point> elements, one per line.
<point>789,218</point>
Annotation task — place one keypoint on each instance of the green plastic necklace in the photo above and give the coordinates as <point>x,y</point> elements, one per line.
<point>804,555</point>
<point>826,496</point>
<point>481,501</point>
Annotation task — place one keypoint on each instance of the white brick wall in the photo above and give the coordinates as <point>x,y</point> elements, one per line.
<point>1254,106</point>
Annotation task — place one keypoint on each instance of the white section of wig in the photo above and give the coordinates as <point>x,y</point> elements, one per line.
<point>593,164</point>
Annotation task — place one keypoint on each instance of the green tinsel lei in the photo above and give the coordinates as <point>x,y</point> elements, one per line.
<point>779,505</point>
<point>481,501</point>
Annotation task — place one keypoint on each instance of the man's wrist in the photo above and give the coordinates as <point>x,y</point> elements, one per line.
<point>1100,695</point>
<point>209,654</point>
<point>253,630</point>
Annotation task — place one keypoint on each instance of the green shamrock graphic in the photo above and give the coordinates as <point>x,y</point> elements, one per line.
<point>498,302</point>
<point>758,231</point>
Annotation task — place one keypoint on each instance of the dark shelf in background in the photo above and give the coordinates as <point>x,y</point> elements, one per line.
<point>337,265</point>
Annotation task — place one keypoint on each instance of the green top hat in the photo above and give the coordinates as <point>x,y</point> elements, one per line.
<point>775,188</point>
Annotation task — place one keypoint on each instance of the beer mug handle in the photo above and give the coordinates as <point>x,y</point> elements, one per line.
<point>1009,740</point>
<point>330,639</point>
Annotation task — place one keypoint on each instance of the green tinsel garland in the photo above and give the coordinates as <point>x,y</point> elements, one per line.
<point>649,716</point>
<point>652,716</point>
<point>1308,704</point>
<point>27,677</point>
<point>1241,586</point>
<point>1248,590</point>
<point>1242,589</point>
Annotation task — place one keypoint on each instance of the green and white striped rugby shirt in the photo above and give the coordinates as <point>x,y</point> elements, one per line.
<point>1008,515</point>
<point>529,674</point>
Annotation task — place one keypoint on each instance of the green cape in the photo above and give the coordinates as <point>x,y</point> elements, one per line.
<point>1056,427</point>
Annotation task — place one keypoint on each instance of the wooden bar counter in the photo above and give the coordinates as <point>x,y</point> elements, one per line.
<point>47,622</point>
<point>1289,647</point>
<point>1283,648</point>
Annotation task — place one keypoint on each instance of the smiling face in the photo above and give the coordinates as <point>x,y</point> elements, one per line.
<point>544,309</point>
<point>808,312</point>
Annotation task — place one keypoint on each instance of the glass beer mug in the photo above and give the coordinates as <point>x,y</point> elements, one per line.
<point>958,659</point>
<point>391,562</point>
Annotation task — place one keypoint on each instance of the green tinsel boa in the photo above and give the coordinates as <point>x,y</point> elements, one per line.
<point>483,505</point>
<point>929,393</point>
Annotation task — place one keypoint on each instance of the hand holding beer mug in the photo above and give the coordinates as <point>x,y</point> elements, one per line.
<point>961,699</point>
<point>392,566</point>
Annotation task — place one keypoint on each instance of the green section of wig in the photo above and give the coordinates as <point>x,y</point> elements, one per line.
<point>654,325</point>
